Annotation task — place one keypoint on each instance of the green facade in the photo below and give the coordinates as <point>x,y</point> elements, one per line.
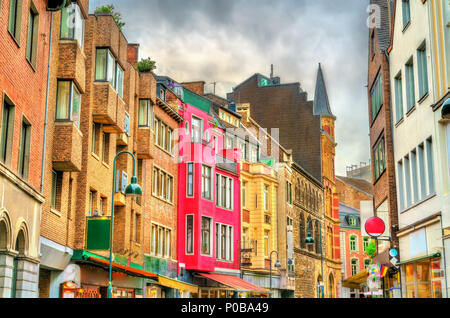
<point>197,101</point>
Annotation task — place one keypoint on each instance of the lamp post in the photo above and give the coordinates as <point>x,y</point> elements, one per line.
<point>310,241</point>
<point>277,265</point>
<point>132,190</point>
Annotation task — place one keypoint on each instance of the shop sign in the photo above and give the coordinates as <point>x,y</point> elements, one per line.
<point>375,227</point>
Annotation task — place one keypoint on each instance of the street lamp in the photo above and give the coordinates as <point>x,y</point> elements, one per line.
<point>277,265</point>
<point>132,190</point>
<point>310,241</point>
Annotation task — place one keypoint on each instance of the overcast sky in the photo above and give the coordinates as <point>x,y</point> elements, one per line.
<point>227,41</point>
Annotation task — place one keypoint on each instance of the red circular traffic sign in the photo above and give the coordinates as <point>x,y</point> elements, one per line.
<point>375,226</point>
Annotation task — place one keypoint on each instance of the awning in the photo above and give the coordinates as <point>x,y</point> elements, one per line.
<point>235,283</point>
<point>99,261</point>
<point>413,260</point>
<point>176,284</point>
<point>356,280</point>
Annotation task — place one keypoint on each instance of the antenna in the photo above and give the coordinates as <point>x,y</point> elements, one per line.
<point>271,71</point>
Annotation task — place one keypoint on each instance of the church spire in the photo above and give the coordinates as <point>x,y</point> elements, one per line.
<point>321,103</point>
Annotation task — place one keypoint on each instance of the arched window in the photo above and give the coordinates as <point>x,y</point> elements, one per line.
<point>310,230</point>
<point>317,237</point>
<point>21,246</point>
<point>297,190</point>
<point>3,236</point>
<point>302,231</point>
<point>367,263</point>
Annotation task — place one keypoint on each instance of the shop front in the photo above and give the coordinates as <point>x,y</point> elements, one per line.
<point>127,279</point>
<point>422,261</point>
<point>212,285</point>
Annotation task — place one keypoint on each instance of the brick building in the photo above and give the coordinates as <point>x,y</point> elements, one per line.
<point>380,122</point>
<point>93,115</point>
<point>24,49</point>
<point>351,192</point>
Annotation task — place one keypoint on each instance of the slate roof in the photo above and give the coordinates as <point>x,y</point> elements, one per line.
<point>360,184</point>
<point>384,32</point>
<point>321,102</point>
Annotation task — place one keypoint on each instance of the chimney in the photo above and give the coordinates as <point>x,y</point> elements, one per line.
<point>271,71</point>
<point>133,54</point>
<point>196,87</point>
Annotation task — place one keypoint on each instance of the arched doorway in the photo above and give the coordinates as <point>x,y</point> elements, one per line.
<point>319,290</point>
<point>20,247</point>
<point>331,289</point>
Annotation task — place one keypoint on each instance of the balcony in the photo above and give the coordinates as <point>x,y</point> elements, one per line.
<point>108,35</point>
<point>226,164</point>
<point>147,86</point>
<point>67,147</point>
<point>109,108</point>
<point>72,63</point>
<point>145,143</point>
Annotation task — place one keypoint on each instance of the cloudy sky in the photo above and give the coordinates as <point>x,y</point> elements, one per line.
<point>227,41</point>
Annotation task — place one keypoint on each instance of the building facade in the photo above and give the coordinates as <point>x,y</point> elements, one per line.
<point>23,80</point>
<point>354,259</point>
<point>419,191</point>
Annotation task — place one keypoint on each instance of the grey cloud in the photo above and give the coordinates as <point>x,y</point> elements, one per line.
<point>229,40</point>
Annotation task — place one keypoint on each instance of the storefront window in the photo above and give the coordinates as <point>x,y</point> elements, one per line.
<point>422,282</point>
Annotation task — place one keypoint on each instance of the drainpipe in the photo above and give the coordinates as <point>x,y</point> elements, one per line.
<point>46,103</point>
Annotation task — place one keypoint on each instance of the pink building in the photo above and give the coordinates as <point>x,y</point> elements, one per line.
<point>209,220</point>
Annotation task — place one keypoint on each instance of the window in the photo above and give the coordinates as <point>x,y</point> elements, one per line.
<point>189,234</point>
<point>24,151</point>
<point>162,185</point>
<point>407,181</point>
<point>145,113</point>
<point>190,179</point>
<point>422,70</point>
<point>253,154</point>
<point>406,10</point>
<point>415,194</point>
<point>95,138</point>
<point>379,156</point>
<point>367,263</point>
<point>55,197</point>
<point>108,70</point>
<point>118,81</point>
<point>206,236</point>
<point>153,241</point>
<point>354,266</point>
<point>103,206</point>
<point>423,185</point>
<point>266,243</point>
<point>352,221</point>
<point>68,102</point>
<point>105,152</point>
<point>224,192</point>
<point>15,18</point>
<point>93,203</point>
<point>398,97</point>
<point>72,24</point>
<point>160,245</point>
<point>168,247</point>
<point>266,198</point>
<point>197,130</point>
<point>377,96</point>
<point>430,166</point>
<point>401,188</point>
<point>224,242</point>
<point>163,135</point>
<point>365,243</point>
<point>206,182</point>
<point>289,192</point>
<point>32,38</point>
<point>229,142</point>
<point>423,280</point>
<point>7,130</point>
<point>410,94</point>
<point>244,194</point>
<point>353,243</point>
<point>137,228</point>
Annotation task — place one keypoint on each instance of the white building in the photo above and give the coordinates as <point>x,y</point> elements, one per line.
<point>417,151</point>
